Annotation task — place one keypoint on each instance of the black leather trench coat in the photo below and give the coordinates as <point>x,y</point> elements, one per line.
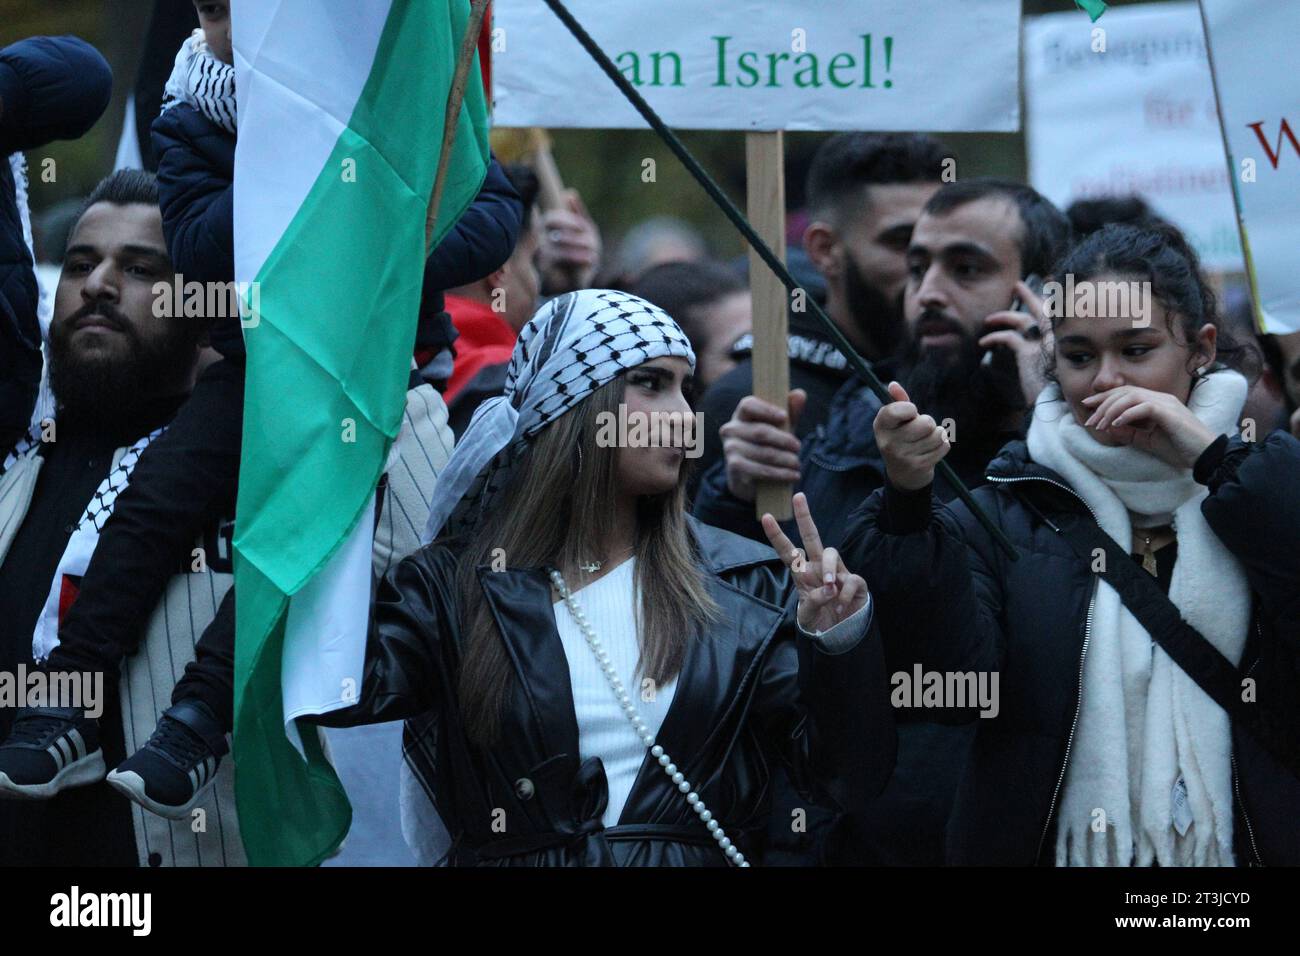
<point>752,690</point>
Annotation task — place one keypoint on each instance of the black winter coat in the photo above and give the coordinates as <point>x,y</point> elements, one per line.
<point>196,191</point>
<point>947,597</point>
<point>816,366</point>
<point>50,88</point>
<point>750,692</point>
<point>839,464</point>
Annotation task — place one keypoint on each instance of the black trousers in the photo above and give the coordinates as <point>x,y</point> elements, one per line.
<point>210,677</point>
<point>187,479</point>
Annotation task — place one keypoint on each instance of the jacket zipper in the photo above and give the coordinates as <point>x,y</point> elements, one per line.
<point>1069,741</point>
<point>1083,653</point>
<point>821,462</point>
<point>1236,783</point>
<point>1066,488</point>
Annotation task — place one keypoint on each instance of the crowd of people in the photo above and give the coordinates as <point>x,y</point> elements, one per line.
<point>602,654</point>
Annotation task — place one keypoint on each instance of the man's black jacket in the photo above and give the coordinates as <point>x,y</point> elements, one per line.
<point>816,366</point>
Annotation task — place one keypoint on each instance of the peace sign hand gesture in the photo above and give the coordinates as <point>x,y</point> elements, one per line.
<point>828,592</point>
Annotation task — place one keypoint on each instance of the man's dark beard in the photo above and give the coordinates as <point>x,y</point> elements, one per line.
<point>108,389</point>
<point>980,399</point>
<point>880,320</point>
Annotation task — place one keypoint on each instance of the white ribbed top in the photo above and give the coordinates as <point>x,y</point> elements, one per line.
<point>603,730</point>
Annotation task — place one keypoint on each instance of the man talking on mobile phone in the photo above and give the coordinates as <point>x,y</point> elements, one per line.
<point>973,243</point>
<point>971,359</point>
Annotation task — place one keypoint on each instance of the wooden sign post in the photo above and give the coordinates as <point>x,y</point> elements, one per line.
<point>765,208</point>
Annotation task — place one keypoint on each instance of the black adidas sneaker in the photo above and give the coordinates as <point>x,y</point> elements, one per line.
<point>49,749</point>
<point>170,774</point>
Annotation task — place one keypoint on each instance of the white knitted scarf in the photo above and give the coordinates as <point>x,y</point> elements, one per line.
<point>1149,776</point>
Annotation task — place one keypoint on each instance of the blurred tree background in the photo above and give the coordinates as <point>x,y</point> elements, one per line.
<point>116,28</point>
<point>604,165</point>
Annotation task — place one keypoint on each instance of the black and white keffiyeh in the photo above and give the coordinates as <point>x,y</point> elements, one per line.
<point>575,343</point>
<point>81,546</point>
<point>203,81</point>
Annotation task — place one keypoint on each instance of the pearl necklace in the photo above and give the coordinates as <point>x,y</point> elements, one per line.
<point>666,762</point>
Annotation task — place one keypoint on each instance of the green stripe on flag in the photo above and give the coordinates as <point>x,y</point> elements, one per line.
<point>326,384</point>
<point>1094,8</point>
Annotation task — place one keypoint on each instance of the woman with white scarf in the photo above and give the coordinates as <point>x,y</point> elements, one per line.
<point>590,676</point>
<point>1104,752</point>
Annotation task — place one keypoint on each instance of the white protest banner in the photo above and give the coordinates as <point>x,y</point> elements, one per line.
<point>763,65</point>
<point>1253,49</point>
<point>1124,106</point>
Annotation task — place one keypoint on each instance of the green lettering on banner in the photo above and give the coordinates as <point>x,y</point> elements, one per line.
<point>635,76</point>
<point>677,68</point>
<point>772,60</point>
<point>722,61</point>
<point>835,64</point>
<point>665,67</point>
<point>810,67</point>
<point>748,68</point>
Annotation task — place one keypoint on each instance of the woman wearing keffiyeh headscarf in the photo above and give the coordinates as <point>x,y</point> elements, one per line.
<point>590,676</point>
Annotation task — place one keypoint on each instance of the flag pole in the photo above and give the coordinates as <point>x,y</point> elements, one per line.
<point>468,44</point>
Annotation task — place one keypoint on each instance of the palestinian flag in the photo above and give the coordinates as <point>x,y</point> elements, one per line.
<point>341,106</point>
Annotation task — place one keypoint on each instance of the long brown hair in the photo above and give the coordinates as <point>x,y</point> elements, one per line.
<point>551,514</point>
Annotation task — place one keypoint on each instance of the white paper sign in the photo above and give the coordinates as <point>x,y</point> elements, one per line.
<point>1253,43</point>
<point>1125,105</point>
<point>762,64</point>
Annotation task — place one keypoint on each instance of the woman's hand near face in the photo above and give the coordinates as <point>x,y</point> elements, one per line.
<point>828,592</point>
<point>1153,421</point>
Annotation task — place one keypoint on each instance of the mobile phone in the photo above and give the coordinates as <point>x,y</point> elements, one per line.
<point>1035,282</point>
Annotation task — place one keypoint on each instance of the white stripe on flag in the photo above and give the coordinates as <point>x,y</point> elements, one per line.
<point>325,631</point>
<point>312,96</point>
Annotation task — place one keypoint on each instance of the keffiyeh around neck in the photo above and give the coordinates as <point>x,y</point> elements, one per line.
<point>203,81</point>
<point>573,345</point>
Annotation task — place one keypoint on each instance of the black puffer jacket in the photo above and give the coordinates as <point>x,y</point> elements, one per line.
<point>840,466</point>
<point>750,691</point>
<point>50,88</point>
<point>948,598</point>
